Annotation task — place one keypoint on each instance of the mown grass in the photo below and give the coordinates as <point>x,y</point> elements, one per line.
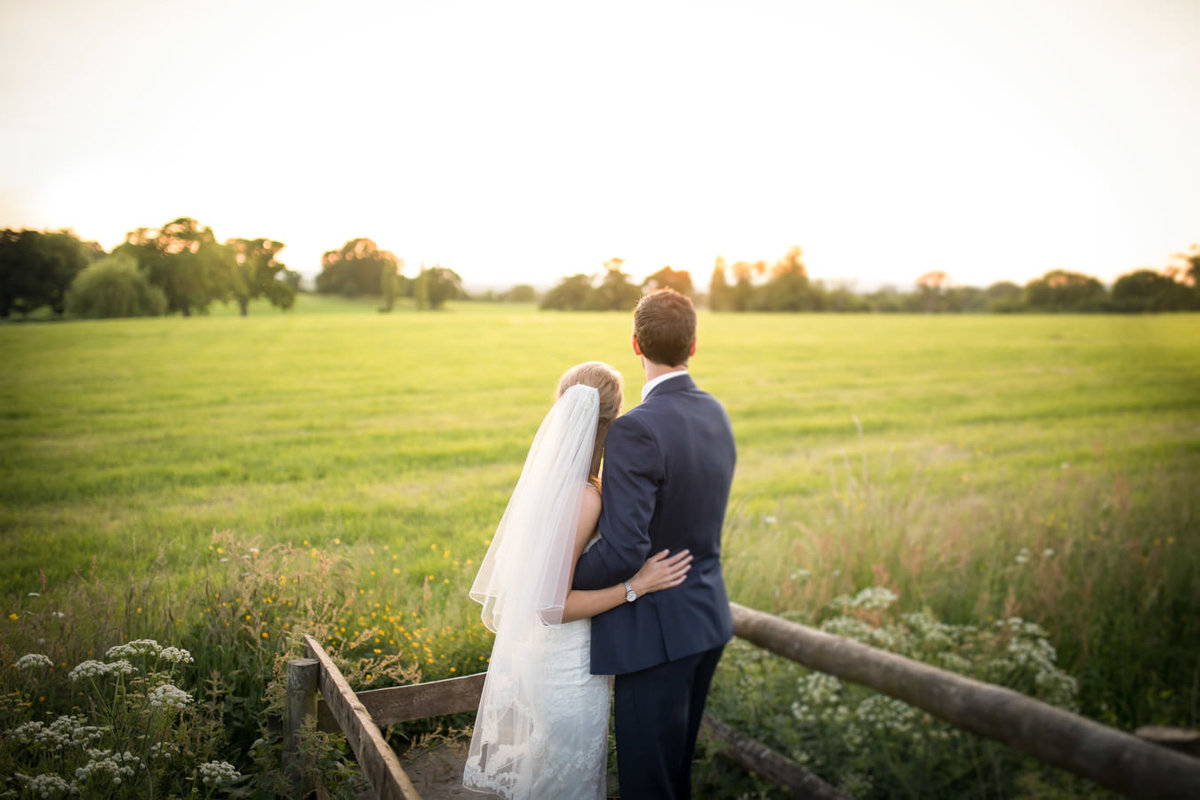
<point>978,466</point>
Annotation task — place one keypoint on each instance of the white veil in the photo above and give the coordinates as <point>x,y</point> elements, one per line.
<point>522,585</point>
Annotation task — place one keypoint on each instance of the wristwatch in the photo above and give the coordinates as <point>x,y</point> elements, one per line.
<point>630,594</point>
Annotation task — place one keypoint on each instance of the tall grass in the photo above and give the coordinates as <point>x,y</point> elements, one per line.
<point>979,467</point>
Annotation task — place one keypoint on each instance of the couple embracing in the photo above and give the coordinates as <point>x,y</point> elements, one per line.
<point>585,580</point>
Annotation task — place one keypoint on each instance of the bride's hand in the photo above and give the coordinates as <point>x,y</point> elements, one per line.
<point>662,572</point>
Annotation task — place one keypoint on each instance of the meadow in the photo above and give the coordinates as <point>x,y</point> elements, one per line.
<point>230,481</point>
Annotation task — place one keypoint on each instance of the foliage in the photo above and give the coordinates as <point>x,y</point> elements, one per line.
<point>1146,290</point>
<point>130,730</point>
<point>356,269</point>
<point>1060,290</point>
<point>870,745</point>
<point>719,293</point>
<point>256,274</point>
<point>569,295</point>
<point>37,268</point>
<point>434,286</point>
<point>114,287</point>
<point>185,261</point>
<point>679,280</point>
<point>788,288</point>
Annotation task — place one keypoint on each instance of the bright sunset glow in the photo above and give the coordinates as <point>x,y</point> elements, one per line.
<point>522,142</point>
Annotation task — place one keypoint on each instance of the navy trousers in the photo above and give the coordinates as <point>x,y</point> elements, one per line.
<point>658,713</point>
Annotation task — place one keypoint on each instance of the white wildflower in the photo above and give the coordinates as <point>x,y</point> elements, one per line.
<point>33,594</point>
<point>1048,552</point>
<point>98,669</point>
<point>45,786</point>
<point>164,750</point>
<point>135,648</point>
<point>873,597</point>
<point>108,766</point>
<point>168,696</point>
<point>176,655</point>
<point>216,773</point>
<point>1022,556</point>
<point>30,660</point>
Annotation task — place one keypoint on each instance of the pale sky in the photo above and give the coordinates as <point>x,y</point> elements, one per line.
<point>521,142</point>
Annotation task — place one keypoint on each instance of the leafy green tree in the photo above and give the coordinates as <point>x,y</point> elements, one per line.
<point>679,280</point>
<point>355,270</point>
<point>434,286</point>
<point>185,261</point>
<point>521,293</point>
<point>114,287</point>
<point>1060,290</point>
<point>931,291</point>
<point>1146,290</point>
<point>720,294</point>
<point>256,273</point>
<point>1004,297</point>
<point>1189,272</point>
<point>615,292</point>
<point>36,269</point>
<point>742,296</point>
<point>569,295</point>
<point>787,288</point>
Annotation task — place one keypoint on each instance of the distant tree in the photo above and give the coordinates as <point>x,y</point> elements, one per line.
<point>37,268</point>
<point>256,273</point>
<point>841,298</point>
<point>1146,290</point>
<point>615,292</point>
<point>679,280</point>
<point>185,261</point>
<point>787,288</point>
<point>355,269</point>
<point>1189,270</point>
<point>1060,290</point>
<point>931,290</point>
<point>569,295</point>
<point>887,300</point>
<point>1004,297</point>
<point>742,296</point>
<point>434,286</point>
<point>720,294</point>
<point>114,287</point>
<point>522,293</point>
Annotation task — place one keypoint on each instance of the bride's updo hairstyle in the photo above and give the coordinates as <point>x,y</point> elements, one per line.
<point>608,382</point>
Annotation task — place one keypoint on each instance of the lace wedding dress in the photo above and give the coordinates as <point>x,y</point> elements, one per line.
<point>562,750</point>
<point>542,726</point>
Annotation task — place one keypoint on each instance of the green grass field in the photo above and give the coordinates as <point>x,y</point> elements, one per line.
<point>1046,466</point>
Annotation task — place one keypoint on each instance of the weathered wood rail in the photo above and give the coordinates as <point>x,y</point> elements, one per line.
<point>1111,758</point>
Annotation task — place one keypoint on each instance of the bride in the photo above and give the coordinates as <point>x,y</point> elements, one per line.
<point>542,726</point>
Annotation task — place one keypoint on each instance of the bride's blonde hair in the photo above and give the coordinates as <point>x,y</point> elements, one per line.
<point>608,382</point>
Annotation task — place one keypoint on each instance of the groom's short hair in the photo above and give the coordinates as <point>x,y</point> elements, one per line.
<point>664,324</point>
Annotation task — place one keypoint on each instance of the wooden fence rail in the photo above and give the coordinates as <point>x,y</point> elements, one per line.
<point>1110,758</point>
<point>1113,759</point>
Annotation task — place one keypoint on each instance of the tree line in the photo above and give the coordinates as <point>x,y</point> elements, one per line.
<point>182,268</point>
<point>786,286</point>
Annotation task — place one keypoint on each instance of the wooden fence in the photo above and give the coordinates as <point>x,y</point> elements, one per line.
<point>1115,760</point>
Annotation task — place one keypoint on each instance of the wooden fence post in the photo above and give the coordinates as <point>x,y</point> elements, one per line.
<point>303,675</point>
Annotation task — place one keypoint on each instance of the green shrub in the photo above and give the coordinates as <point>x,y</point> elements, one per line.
<point>114,287</point>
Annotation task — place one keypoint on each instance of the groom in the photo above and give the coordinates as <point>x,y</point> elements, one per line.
<point>668,465</point>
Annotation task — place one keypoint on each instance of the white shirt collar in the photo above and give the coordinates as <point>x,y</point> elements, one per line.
<point>666,376</point>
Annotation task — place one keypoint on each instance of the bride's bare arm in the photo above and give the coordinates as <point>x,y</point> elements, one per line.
<point>661,571</point>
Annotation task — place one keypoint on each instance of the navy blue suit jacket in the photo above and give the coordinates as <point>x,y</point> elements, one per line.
<point>668,465</point>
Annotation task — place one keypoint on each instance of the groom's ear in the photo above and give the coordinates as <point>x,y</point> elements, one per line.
<point>637,348</point>
<point>692,349</point>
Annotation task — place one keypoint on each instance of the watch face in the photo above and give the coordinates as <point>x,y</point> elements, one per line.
<point>630,596</point>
